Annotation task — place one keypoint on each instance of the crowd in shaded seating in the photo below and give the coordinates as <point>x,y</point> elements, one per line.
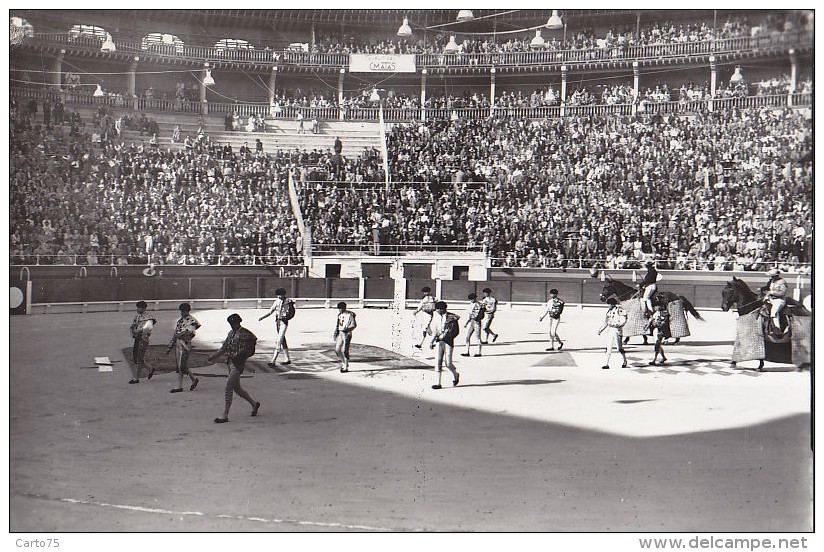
<point>579,38</point>
<point>579,94</point>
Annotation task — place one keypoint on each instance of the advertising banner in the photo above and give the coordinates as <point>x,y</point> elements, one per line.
<point>381,63</point>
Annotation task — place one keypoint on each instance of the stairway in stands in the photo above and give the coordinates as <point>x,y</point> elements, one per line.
<point>281,134</point>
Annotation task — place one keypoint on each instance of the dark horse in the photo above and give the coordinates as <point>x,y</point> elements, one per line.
<point>777,348</point>
<point>623,292</point>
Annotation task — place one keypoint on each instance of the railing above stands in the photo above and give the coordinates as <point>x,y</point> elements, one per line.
<point>326,249</point>
<point>802,39</point>
<point>131,260</point>
<point>393,115</point>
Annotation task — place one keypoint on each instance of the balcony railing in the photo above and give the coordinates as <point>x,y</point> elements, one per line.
<point>671,263</point>
<point>327,249</point>
<point>33,259</point>
<point>625,53</point>
<point>393,115</point>
<point>501,59</point>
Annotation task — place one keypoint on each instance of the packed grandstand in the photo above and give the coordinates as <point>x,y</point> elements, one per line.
<point>663,170</point>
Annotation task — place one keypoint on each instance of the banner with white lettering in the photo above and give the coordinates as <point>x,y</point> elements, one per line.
<point>381,63</point>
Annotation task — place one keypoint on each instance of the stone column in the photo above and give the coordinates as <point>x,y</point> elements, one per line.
<point>341,76</point>
<point>131,83</point>
<point>204,104</point>
<point>793,76</point>
<point>564,71</point>
<point>58,69</point>
<point>273,81</point>
<point>423,94</point>
<point>492,88</point>
<point>713,80</point>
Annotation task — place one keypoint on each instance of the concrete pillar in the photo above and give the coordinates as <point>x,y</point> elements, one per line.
<point>636,85</point>
<point>204,105</point>
<point>273,81</point>
<point>58,69</point>
<point>341,76</point>
<point>131,83</point>
<point>793,76</point>
<point>423,94</point>
<point>713,80</point>
<point>564,71</point>
<point>492,87</point>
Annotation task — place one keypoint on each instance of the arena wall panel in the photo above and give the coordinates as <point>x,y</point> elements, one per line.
<point>344,288</point>
<point>382,288</point>
<point>267,286</point>
<point>135,289</point>
<point>501,289</point>
<point>414,286</point>
<point>100,289</point>
<point>57,291</point>
<point>239,288</point>
<point>311,288</point>
<point>703,289</point>
<point>589,291</point>
<point>171,288</point>
<point>707,296</point>
<point>526,292</point>
<point>687,290</point>
<point>568,292</point>
<point>457,290</point>
<point>207,288</point>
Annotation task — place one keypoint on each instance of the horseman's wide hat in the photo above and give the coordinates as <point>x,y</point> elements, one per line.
<point>774,272</point>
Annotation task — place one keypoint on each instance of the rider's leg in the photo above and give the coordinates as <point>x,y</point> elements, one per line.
<point>776,304</point>
<point>647,298</point>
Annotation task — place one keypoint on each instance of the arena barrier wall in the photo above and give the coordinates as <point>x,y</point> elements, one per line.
<point>250,289</point>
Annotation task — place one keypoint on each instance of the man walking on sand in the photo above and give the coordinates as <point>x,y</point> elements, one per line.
<point>445,330</point>
<point>185,329</point>
<point>490,304</point>
<point>345,324</point>
<point>239,345</point>
<point>554,308</point>
<point>284,310</point>
<point>474,315</point>
<point>141,330</point>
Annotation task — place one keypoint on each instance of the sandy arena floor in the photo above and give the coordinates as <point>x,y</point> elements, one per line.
<point>529,440</point>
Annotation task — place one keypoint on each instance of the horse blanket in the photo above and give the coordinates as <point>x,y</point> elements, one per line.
<point>749,338</point>
<point>678,319</point>
<point>802,329</point>
<point>636,321</point>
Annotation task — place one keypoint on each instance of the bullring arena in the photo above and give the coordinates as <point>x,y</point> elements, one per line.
<point>221,158</point>
<point>528,441</point>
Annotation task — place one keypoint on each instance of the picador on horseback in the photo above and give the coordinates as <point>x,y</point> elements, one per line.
<point>648,286</point>
<point>758,335</point>
<point>775,298</point>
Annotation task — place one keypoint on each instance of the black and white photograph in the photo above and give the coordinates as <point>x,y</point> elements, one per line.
<point>534,277</point>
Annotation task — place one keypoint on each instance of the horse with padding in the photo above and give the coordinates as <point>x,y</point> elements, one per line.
<point>630,298</point>
<point>756,338</point>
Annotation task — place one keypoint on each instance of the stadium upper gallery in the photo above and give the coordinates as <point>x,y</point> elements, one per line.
<point>308,142</point>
